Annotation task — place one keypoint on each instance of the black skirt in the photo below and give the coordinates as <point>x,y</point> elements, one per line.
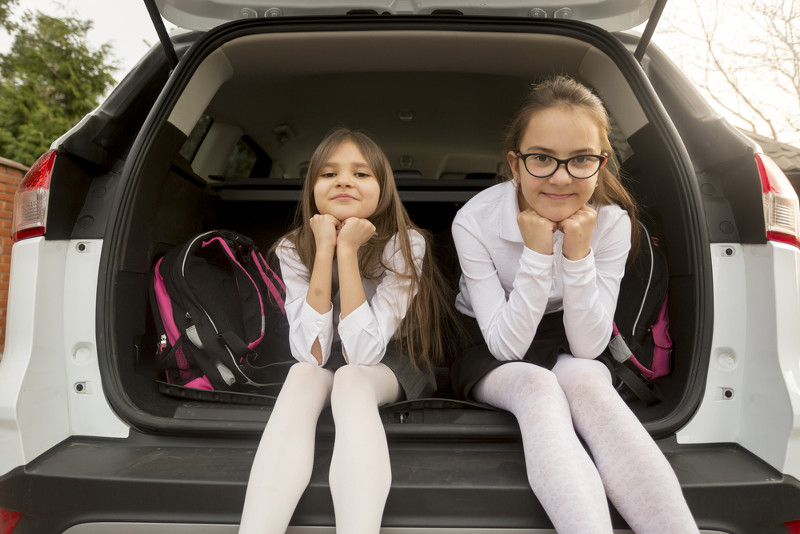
<point>475,359</point>
<point>416,382</point>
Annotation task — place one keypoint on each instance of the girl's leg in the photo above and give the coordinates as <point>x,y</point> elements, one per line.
<point>284,459</point>
<point>638,478</point>
<point>560,471</point>
<point>360,473</point>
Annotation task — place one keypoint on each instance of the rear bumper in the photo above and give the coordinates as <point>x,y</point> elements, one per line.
<point>157,479</point>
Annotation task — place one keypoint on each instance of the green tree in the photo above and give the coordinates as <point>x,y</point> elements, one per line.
<point>49,80</point>
<point>5,10</point>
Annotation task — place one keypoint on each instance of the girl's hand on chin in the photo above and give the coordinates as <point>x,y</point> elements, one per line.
<point>354,232</point>
<point>577,230</point>
<point>537,232</point>
<point>325,229</point>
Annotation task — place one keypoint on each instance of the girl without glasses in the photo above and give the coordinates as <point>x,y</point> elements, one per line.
<point>542,256</point>
<point>365,309</point>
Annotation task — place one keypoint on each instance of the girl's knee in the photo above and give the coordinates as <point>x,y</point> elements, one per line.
<point>307,377</point>
<point>533,376</point>
<point>302,369</point>
<point>351,381</point>
<point>569,368</point>
<point>304,372</point>
<point>350,376</point>
<point>579,374</point>
<point>521,379</point>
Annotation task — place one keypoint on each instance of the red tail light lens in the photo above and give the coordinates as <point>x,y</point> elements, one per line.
<point>30,201</point>
<point>793,527</point>
<point>8,520</point>
<point>781,207</point>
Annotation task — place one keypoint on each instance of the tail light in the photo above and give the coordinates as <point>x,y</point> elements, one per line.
<point>781,211</point>
<point>793,527</point>
<point>30,201</point>
<point>8,520</point>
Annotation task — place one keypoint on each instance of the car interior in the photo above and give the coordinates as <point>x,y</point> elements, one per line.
<point>233,151</point>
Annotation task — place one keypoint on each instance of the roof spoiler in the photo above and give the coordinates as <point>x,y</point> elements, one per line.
<point>163,36</point>
<point>172,57</point>
<point>649,29</point>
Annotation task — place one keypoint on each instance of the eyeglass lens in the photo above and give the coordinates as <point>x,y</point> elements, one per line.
<point>541,165</point>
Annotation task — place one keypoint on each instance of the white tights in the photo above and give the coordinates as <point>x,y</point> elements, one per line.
<point>360,473</point>
<point>577,395</point>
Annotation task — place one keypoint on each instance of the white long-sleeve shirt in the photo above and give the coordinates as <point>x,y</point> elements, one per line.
<point>367,330</point>
<point>508,287</point>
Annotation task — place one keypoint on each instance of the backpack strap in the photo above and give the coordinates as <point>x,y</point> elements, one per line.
<point>262,264</point>
<point>640,385</point>
<point>248,373</point>
<point>163,306</point>
<point>624,366</point>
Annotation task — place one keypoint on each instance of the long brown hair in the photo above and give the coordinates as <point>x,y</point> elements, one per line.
<point>563,91</point>
<point>429,319</point>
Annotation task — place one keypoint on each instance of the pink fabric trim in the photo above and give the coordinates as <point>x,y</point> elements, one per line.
<point>272,289</point>
<point>200,383</point>
<point>662,346</point>
<point>663,343</point>
<point>165,306</point>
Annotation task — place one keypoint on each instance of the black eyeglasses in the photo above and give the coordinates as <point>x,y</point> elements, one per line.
<point>581,167</point>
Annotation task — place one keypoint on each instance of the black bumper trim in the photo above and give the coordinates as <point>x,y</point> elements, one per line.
<point>435,484</point>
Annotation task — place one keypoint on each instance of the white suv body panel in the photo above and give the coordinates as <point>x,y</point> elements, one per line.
<point>49,348</point>
<point>90,412</point>
<point>752,394</point>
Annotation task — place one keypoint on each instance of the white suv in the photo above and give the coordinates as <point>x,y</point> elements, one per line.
<point>214,128</point>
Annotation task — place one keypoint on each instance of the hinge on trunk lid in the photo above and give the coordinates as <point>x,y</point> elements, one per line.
<point>163,36</point>
<point>649,28</point>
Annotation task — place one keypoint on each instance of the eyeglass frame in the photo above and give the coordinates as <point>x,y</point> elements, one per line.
<point>565,162</point>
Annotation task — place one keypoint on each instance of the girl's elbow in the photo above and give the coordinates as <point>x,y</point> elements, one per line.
<point>588,353</point>
<point>367,355</point>
<point>503,353</point>
<point>369,359</point>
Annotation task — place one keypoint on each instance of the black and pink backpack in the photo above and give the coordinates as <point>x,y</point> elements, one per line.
<point>219,313</point>
<point>640,350</point>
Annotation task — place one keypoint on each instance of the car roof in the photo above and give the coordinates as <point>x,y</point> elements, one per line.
<point>611,15</point>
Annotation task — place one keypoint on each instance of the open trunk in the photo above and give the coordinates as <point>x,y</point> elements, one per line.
<point>436,95</point>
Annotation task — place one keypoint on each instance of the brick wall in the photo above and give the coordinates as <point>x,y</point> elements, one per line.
<point>11,174</point>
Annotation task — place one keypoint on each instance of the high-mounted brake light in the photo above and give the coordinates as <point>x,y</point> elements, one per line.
<point>781,207</point>
<point>8,520</point>
<point>30,201</point>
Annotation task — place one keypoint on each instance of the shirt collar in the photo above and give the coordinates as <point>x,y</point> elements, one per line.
<point>509,209</point>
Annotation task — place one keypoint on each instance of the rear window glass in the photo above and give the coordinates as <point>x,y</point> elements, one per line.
<point>195,139</point>
<point>247,160</point>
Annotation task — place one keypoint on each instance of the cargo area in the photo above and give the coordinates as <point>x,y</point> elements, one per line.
<point>228,149</point>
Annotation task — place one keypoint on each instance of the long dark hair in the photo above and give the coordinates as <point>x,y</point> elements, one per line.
<point>429,320</point>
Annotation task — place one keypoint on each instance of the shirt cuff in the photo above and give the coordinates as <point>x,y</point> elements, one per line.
<point>578,269</point>
<point>361,340</point>
<point>355,321</point>
<point>318,326</point>
<point>536,262</point>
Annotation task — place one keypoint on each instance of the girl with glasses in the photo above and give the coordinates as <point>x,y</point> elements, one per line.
<point>542,256</point>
